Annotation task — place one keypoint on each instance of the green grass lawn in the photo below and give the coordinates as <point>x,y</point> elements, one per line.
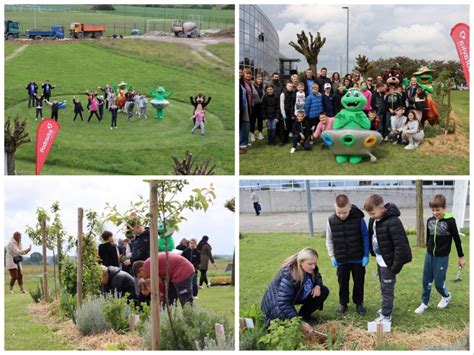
<point>22,332</point>
<point>392,160</point>
<point>262,254</point>
<point>141,147</point>
<point>123,19</point>
<point>11,47</point>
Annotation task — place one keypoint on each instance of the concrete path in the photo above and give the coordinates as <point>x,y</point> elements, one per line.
<point>298,222</point>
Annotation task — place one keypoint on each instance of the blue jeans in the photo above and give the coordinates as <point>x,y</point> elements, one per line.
<point>435,268</point>
<point>244,134</point>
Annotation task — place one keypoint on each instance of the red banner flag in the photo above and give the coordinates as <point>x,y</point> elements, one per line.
<point>460,36</point>
<point>45,134</point>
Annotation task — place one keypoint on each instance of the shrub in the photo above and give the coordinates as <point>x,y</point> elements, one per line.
<point>212,344</point>
<point>67,306</point>
<point>255,313</point>
<point>249,338</point>
<point>284,334</point>
<point>37,294</point>
<point>116,312</point>
<point>90,317</point>
<point>194,329</point>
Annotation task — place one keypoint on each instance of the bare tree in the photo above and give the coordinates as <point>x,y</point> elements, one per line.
<point>310,48</point>
<point>14,137</point>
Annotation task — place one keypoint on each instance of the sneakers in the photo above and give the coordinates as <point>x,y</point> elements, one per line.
<point>24,291</point>
<point>395,142</point>
<point>410,146</point>
<point>445,301</point>
<point>341,310</point>
<point>383,319</point>
<point>292,150</point>
<point>11,292</point>
<point>386,139</point>
<point>416,145</point>
<point>252,137</point>
<point>260,136</point>
<point>361,309</point>
<point>423,307</point>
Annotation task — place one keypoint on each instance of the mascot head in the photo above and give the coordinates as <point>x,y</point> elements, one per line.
<point>393,76</point>
<point>354,100</point>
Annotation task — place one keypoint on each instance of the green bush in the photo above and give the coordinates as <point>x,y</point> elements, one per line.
<point>249,339</point>
<point>192,325</point>
<point>37,294</point>
<point>284,334</point>
<point>211,344</point>
<point>116,312</point>
<point>67,306</point>
<point>90,318</point>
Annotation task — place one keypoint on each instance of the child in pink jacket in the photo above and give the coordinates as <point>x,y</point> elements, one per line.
<point>325,124</point>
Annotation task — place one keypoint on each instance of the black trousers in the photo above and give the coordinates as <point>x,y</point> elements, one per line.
<point>256,120</point>
<point>311,304</point>
<point>344,272</point>
<point>31,100</point>
<point>91,114</point>
<point>39,113</point>
<point>55,115</point>
<point>203,278</point>
<point>75,116</point>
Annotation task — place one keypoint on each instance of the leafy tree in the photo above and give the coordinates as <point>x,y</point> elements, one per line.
<point>363,65</point>
<point>310,48</point>
<point>36,258</point>
<point>14,137</point>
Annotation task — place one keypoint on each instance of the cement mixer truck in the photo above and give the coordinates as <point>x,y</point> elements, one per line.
<point>185,29</point>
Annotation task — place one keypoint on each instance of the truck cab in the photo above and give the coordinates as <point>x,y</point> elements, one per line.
<point>12,29</point>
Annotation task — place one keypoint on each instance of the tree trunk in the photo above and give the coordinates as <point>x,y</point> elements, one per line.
<point>45,261</point>
<point>420,226</point>
<point>155,286</point>
<point>10,163</point>
<point>80,218</point>
<point>54,275</point>
<point>60,258</point>
<point>232,278</point>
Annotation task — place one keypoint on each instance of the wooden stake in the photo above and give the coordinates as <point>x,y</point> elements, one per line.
<point>45,260</point>
<point>379,333</point>
<point>155,286</point>
<point>80,217</point>
<point>220,335</point>
<point>420,225</point>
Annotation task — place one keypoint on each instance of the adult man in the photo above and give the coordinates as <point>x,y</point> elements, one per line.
<point>47,87</point>
<point>410,92</point>
<point>322,79</point>
<point>256,204</point>
<point>32,89</point>
<point>278,86</point>
<point>308,81</point>
<point>118,282</point>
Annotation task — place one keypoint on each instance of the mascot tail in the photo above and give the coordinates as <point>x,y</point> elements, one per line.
<point>431,115</point>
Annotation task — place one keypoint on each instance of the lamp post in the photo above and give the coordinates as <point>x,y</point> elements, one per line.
<point>347,38</point>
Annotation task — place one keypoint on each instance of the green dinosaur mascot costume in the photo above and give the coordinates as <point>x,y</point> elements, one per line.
<point>165,235</point>
<point>425,80</point>
<point>351,137</point>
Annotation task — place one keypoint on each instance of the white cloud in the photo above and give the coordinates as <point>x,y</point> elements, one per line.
<point>312,14</point>
<point>415,34</point>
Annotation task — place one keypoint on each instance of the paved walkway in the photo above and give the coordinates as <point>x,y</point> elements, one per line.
<point>298,222</point>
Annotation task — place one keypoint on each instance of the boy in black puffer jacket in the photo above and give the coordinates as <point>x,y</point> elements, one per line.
<point>347,242</point>
<point>441,230</point>
<point>389,244</point>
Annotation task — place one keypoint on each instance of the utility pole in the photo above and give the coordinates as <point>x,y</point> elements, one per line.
<point>347,38</point>
<point>309,208</point>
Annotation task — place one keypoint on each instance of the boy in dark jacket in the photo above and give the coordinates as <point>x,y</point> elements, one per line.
<point>287,107</point>
<point>78,109</point>
<point>118,282</point>
<point>441,230</point>
<point>39,106</point>
<point>347,242</point>
<point>271,112</point>
<point>194,256</point>
<point>301,132</point>
<point>328,100</point>
<point>389,244</point>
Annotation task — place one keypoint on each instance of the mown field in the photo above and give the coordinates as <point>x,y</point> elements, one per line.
<point>142,146</point>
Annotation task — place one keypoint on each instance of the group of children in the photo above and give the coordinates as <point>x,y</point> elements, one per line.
<point>349,243</point>
<point>297,108</point>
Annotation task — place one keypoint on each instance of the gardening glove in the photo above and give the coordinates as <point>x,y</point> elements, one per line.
<point>334,262</point>
<point>365,261</point>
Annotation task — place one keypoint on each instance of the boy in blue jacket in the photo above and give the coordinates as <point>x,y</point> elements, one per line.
<point>313,105</point>
<point>441,230</point>
<point>347,241</point>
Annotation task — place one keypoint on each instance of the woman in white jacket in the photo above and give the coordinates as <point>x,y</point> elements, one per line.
<point>14,249</point>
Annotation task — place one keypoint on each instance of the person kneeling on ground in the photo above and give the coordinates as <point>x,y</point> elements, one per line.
<point>297,282</point>
<point>118,282</point>
<point>301,132</point>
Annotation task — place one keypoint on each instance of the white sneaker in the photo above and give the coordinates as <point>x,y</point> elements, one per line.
<point>410,146</point>
<point>260,136</point>
<point>395,142</point>
<point>386,139</point>
<point>252,137</point>
<point>383,319</point>
<point>416,145</point>
<point>290,135</point>
<point>423,307</point>
<point>11,292</point>
<point>292,150</point>
<point>445,301</point>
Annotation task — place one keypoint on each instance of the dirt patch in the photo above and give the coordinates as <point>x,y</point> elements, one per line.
<point>16,52</point>
<point>359,339</point>
<point>454,144</point>
<point>110,340</point>
<point>230,32</point>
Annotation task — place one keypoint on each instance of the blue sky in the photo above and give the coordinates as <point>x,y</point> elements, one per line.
<point>24,195</point>
<point>378,31</point>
